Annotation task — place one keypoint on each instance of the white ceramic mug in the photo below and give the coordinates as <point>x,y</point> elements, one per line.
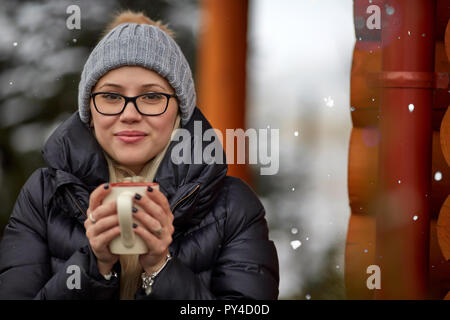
<point>123,192</point>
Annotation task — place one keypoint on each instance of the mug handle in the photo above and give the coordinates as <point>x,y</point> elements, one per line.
<point>124,205</point>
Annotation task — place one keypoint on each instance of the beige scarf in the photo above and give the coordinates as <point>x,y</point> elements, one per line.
<point>130,268</point>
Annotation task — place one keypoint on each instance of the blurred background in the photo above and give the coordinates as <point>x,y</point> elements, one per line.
<point>297,79</point>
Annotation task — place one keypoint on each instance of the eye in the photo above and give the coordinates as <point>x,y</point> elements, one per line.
<point>110,96</point>
<point>152,96</point>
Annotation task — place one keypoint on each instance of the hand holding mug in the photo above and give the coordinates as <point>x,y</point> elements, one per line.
<point>155,227</point>
<point>102,226</point>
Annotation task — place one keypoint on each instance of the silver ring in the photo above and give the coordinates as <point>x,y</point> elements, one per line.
<point>92,218</point>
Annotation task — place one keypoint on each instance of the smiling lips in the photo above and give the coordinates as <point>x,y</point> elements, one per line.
<point>130,136</point>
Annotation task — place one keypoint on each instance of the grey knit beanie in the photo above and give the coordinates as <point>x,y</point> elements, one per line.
<point>131,44</point>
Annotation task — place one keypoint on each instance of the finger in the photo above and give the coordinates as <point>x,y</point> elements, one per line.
<point>104,210</point>
<point>98,195</point>
<point>106,237</point>
<point>152,208</point>
<point>158,197</point>
<point>148,222</point>
<point>153,243</point>
<point>102,226</point>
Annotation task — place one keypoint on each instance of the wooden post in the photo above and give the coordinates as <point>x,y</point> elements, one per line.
<point>403,218</point>
<point>221,69</point>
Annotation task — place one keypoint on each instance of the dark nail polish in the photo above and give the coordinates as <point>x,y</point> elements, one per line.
<point>134,210</point>
<point>149,189</point>
<point>134,225</point>
<point>137,196</point>
<point>106,186</point>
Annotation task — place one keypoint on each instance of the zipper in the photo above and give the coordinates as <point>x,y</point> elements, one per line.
<point>176,235</point>
<point>185,197</point>
<point>75,201</point>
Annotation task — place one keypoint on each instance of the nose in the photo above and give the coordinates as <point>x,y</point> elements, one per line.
<point>130,114</point>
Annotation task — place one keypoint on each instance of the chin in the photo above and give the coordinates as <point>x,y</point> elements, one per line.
<point>130,159</point>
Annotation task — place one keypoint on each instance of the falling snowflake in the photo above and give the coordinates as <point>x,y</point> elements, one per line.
<point>295,244</point>
<point>329,102</point>
<point>399,181</point>
<point>296,133</point>
<point>15,44</point>
<point>411,107</point>
<point>338,267</point>
<point>307,238</point>
<point>415,218</point>
<point>423,35</point>
<point>365,250</point>
<point>308,297</point>
<point>74,40</point>
<point>352,109</point>
<point>293,189</point>
<point>409,33</point>
<point>294,230</point>
<point>438,176</point>
<point>10,83</point>
<point>390,10</point>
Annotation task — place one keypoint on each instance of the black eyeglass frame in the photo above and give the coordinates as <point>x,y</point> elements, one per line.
<point>132,99</point>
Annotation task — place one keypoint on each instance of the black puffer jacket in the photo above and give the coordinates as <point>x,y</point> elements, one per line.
<point>220,245</point>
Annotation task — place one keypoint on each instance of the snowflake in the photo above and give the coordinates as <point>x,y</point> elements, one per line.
<point>295,244</point>
<point>329,102</point>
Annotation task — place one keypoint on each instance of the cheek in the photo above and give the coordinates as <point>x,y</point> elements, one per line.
<point>163,125</point>
<point>102,126</point>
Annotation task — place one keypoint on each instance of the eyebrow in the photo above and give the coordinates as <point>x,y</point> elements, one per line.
<point>144,86</point>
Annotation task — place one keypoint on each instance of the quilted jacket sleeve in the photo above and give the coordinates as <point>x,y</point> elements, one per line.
<point>247,267</point>
<point>25,268</point>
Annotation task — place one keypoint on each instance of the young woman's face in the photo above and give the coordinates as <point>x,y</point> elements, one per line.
<point>130,138</point>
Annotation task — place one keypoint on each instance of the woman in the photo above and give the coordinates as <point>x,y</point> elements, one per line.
<point>206,234</point>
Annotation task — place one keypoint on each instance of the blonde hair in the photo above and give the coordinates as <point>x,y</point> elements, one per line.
<point>131,269</point>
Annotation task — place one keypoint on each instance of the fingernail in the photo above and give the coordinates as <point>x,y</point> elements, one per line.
<point>134,225</point>
<point>149,189</point>
<point>134,210</point>
<point>106,186</point>
<point>137,196</point>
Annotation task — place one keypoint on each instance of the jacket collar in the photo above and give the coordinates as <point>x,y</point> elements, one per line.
<point>74,156</point>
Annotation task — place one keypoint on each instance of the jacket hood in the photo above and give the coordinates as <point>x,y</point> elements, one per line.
<point>73,155</point>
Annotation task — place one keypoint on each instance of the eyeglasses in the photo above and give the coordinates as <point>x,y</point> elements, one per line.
<point>147,104</point>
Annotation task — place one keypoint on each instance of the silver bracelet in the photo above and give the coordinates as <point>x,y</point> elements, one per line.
<point>147,280</point>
